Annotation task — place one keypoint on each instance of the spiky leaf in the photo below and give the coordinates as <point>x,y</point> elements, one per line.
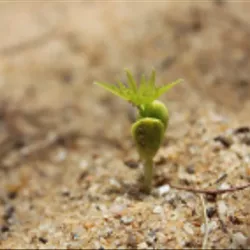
<point>165,88</point>
<point>138,94</point>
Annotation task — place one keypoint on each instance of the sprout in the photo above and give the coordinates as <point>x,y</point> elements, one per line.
<point>139,95</point>
<point>152,120</point>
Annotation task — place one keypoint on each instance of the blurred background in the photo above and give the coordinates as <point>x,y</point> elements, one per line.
<point>52,52</point>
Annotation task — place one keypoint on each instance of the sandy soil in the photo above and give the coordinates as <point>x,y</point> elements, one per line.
<point>69,171</point>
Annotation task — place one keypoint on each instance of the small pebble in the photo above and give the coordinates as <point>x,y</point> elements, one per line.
<point>83,164</point>
<point>188,228</point>
<point>151,239</point>
<point>117,209</point>
<point>211,226</point>
<point>224,186</point>
<point>108,232</point>
<point>239,240</point>
<point>211,197</point>
<point>142,245</point>
<point>75,236</point>
<point>61,156</point>
<point>222,207</point>
<point>12,194</point>
<point>43,240</point>
<point>65,191</point>
<point>44,227</point>
<point>161,237</point>
<point>126,220</point>
<point>131,164</point>
<point>157,210</point>
<point>190,169</point>
<point>210,212</point>
<point>4,229</point>
<point>88,225</point>
<point>114,183</point>
<point>215,117</point>
<point>163,190</point>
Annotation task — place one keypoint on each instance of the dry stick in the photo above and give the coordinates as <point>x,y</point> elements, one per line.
<point>211,192</point>
<point>48,141</point>
<point>45,143</point>
<point>35,42</point>
<point>205,239</point>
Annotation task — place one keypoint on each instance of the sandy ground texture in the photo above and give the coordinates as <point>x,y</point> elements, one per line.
<point>69,171</point>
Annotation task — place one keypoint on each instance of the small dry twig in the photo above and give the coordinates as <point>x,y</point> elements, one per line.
<point>32,43</point>
<point>209,191</point>
<point>40,145</point>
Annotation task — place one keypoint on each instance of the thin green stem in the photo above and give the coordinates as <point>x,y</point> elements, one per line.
<point>148,174</point>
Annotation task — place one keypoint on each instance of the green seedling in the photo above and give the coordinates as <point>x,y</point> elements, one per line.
<point>152,116</point>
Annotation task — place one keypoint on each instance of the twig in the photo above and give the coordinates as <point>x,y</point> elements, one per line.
<point>221,178</point>
<point>51,139</point>
<point>205,239</point>
<point>40,145</point>
<point>29,44</point>
<point>211,192</point>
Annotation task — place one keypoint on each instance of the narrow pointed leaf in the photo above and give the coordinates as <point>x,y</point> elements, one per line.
<point>131,81</point>
<point>151,82</point>
<point>163,89</point>
<point>112,88</point>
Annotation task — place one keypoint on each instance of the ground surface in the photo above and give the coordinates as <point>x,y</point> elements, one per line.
<point>69,172</point>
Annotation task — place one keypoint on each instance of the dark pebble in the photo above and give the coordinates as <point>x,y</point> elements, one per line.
<point>12,195</point>
<point>242,130</point>
<point>211,197</point>
<point>211,212</point>
<point>246,141</point>
<point>131,164</point>
<point>190,169</point>
<point>5,229</point>
<point>226,142</point>
<point>67,77</point>
<point>66,193</point>
<point>189,244</point>
<point>185,182</point>
<point>235,220</point>
<point>42,240</point>
<point>8,213</point>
